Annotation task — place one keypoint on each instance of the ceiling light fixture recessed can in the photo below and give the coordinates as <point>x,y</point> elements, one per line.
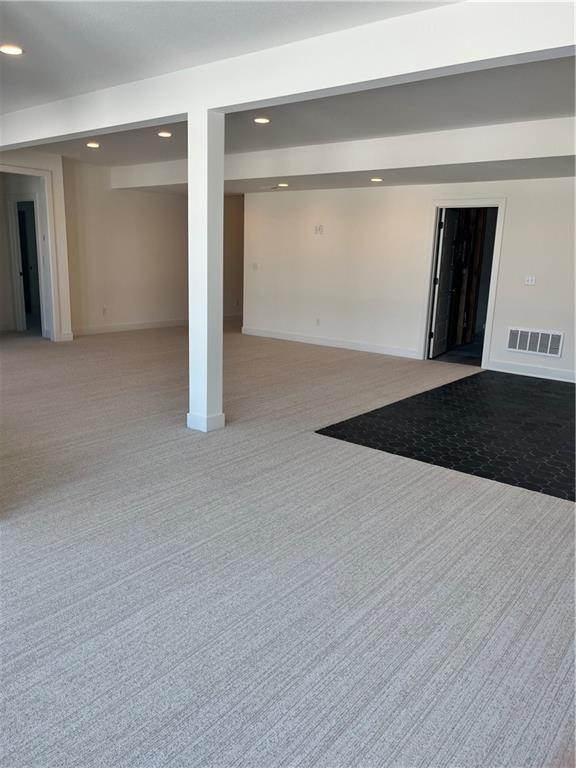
<point>262,120</point>
<point>93,145</point>
<point>11,49</point>
<point>165,134</point>
<point>376,179</point>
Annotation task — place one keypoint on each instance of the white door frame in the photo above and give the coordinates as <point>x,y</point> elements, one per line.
<point>15,263</point>
<point>46,249</point>
<point>13,198</point>
<point>480,202</point>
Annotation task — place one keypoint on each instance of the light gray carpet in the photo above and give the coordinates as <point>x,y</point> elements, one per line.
<point>264,596</point>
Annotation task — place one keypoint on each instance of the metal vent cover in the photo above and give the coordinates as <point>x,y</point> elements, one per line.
<point>535,342</point>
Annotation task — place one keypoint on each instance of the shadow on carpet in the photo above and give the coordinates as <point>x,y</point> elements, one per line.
<point>513,429</point>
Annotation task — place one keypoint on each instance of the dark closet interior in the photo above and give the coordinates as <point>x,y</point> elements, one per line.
<point>465,248</point>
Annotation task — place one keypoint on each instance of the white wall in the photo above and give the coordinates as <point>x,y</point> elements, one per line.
<point>127,253</point>
<point>233,255</point>
<point>364,283</point>
<point>163,173</point>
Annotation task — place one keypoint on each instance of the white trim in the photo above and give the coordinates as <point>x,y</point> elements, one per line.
<point>438,240</point>
<point>50,291</point>
<point>358,346</point>
<point>538,371</point>
<point>205,423</point>
<point>90,330</point>
<point>59,279</point>
<point>44,287</point>
<point>43,257</point>
<point>19,311</point>
<point>488,202</point>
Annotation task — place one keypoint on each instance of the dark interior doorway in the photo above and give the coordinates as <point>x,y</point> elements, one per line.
<point>29,266</point>
<point>461,283</point>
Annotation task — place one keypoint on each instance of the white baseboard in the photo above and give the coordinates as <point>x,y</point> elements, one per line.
<point>205,423</point>
<point>358,346</point>
<point>46,334</point>
<point>89,330</point>
<point>538,371</point>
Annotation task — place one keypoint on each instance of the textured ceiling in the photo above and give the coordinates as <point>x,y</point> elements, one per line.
<point>141,145</point>
<point>76,47</point>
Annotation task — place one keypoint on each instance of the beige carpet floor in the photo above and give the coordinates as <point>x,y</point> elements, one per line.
<point>263,596</point>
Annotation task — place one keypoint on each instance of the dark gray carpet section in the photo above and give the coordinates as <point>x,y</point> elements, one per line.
<point>513,429</point>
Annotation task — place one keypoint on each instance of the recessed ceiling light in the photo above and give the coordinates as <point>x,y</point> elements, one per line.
<point>376,179</point>
<point>283,184</point>
<point>93,145</point>
<point>164,134</point>
<point>10,49</point>
<point>262,120</point>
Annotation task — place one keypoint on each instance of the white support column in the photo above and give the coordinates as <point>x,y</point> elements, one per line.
<point>205,243</point>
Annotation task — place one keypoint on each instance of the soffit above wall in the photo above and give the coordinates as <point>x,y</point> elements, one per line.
<point>535,168</point>
<point>538,168</point>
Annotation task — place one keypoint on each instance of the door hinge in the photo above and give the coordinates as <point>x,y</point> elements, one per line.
<point>436,281</point>
<point>440,225</point>
<point>431,335</point>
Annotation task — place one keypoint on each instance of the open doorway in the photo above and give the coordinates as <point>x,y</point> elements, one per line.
<point>233,278</point>
<point>28,271</point>
<point>26,253</point>
<point>461,283</point>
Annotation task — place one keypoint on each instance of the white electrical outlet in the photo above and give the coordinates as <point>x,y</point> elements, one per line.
<point>254,266</point>
<point>319,229</point>
<point>317,321</point>
<point>530,280</point>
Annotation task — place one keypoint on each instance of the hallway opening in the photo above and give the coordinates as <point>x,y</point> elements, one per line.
<point>28,272</point>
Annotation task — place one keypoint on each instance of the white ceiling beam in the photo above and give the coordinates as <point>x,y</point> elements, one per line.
<point>507,141</point>
<point>445,40</point>
<point>490,143</point>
